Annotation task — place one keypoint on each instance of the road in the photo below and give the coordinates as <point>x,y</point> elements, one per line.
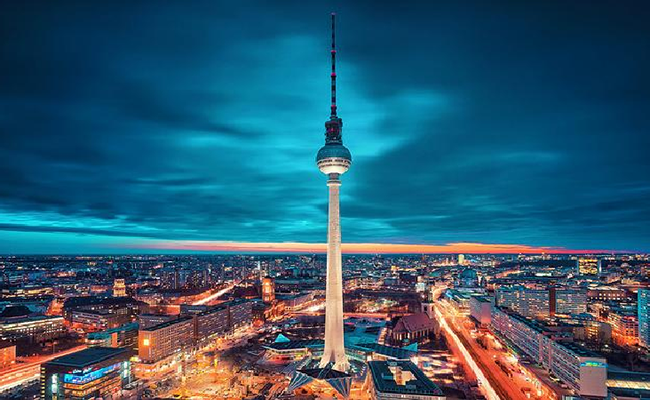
<point>507,378</point>
<point>29,370</point>
<point>215,295</point>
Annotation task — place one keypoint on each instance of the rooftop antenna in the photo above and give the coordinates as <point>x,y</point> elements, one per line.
<point>333,65</point>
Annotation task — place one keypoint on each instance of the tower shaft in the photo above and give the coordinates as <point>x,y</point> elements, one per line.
<point>334,351</point>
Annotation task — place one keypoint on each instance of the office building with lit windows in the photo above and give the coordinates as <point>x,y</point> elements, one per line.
<point>588,265</point>
<point>568,301</point>
<point>531,303</point>
<point>213,321</point>
<point>160,341</point>
<point>93,373</point>
<point>625,326</point>
<point>643,314</point>
<point>33,328</point>
<point>583,371</point>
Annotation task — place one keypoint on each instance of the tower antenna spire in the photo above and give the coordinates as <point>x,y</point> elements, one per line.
<point>333,51</point>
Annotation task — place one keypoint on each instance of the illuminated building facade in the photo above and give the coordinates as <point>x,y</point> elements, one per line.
<point>625,326</point>
<point>149,320</point>
<point>240,313</point>
<point>531,303</point>
<point>268,290</point>
<point>588,265</point>
<point>37,328</point>
<point>160,341</point>
<point>96,372</point>
<point>568,301</point>
<point>644,317</point>
<point>606,294</point>
<point>98,320</point>
<point>7,354</point>
<point>213,321</point>
<point>119,288</point>
<point>542,303</point>
<point>414,328</point>
<point>480,309</point>
<point>125,336</point>
<point>583,371</point>
<point>333,160</point>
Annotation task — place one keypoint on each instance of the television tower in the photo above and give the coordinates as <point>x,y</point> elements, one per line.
<point>334,159</point>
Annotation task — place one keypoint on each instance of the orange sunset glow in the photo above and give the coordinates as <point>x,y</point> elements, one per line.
<point>358,248</point>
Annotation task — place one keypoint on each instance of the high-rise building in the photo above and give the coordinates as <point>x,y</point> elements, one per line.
<point>268,290</point>
<point>644,317</point>
<point>333,160</point>
<point>461,259</point>
<point>119,288</point>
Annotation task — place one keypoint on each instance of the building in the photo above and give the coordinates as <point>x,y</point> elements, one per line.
<point>588,265</point>
<point>119,288</point>
<point>240,313</point>
<point>531,303</point>
<point>114,305</point>
<point>149,320</point>
<point>268,290</point>
<point>32,329</point>
<point>459,300</point>
<point>7,354</point>
<point>334,159</point>
<point>567,301</point>
<point>125,336</point>
<point>480,308</point>
<point>643,314</point>
<point>96,372</point>
<point>213,321</point>
<point>414,328</point>
<point>625,385</point>
<point>160,341</point>
<point>606,294</point>
<point>625,326</point>
<point>468,278</point>
<point>583,371</point>
<point>542,303</point>
<point>389,380</point>
<point>98,320</point>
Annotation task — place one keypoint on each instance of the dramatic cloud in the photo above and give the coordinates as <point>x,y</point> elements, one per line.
<point>492,123</point>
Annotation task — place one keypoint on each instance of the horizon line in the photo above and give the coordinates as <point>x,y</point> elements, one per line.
<point>359,248</point>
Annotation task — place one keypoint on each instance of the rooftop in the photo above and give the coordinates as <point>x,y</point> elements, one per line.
<point>89,356</point>
<point>385,381</point>
<point>167,324</point>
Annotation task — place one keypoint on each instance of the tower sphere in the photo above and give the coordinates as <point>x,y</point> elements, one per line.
<point>333,159</point>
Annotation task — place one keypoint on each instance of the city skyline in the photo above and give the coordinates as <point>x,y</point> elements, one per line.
<point>122,133</point>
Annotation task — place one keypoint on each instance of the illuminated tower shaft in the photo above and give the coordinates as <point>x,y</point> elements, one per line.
<point>334,159</point>
<point>334,346</point>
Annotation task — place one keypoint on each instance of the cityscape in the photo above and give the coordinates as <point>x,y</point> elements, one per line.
<point>165,238</point>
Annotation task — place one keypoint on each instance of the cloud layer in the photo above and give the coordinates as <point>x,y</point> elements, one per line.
<point>491,123</point>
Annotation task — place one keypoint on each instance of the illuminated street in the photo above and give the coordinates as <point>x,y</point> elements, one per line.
<point>28,369</point>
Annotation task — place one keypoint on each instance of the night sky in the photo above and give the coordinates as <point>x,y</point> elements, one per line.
<point>128,124</point>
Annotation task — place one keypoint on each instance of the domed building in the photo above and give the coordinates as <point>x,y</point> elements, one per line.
<point>468,278</point>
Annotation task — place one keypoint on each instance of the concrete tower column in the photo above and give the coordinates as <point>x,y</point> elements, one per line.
<point>334,347</point>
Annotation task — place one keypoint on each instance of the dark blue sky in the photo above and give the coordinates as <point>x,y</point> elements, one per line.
<point>493,122</point>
